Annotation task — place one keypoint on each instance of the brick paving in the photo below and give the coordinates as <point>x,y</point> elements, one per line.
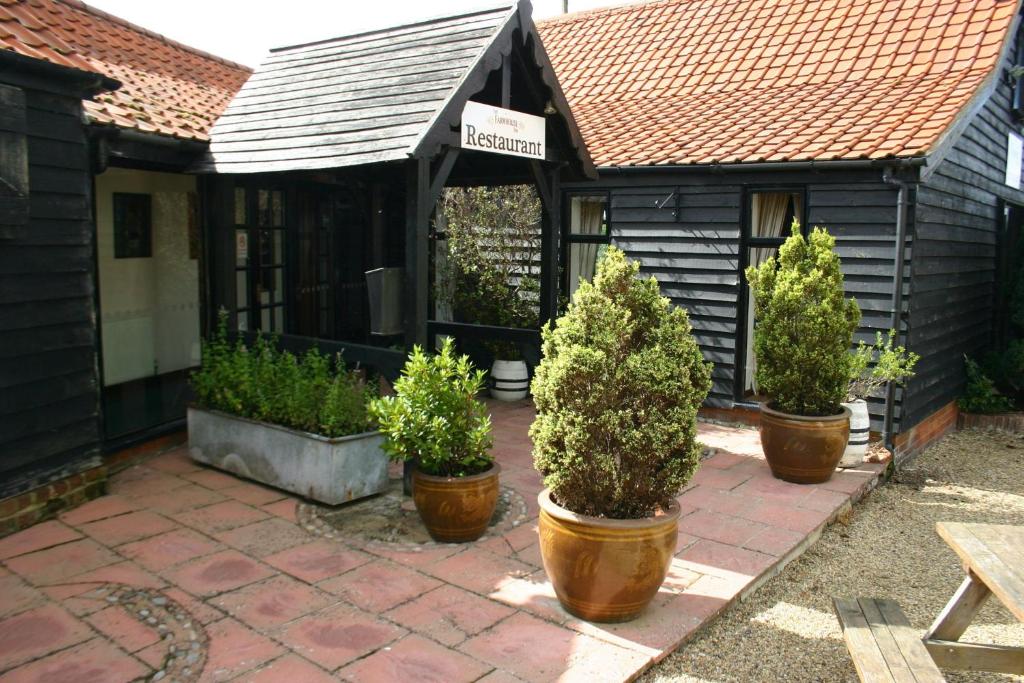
<point>265,600</point>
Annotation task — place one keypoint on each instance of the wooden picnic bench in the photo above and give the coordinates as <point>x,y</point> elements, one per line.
<point>885,648</point>
<point>993,559</point>
<point>883,645</point>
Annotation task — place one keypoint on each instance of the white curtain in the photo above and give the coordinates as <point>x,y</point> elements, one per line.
<point>586,218</point>
<point>769,217</point>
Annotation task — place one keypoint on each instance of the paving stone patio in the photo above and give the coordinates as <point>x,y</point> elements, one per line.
<point>186,573</point>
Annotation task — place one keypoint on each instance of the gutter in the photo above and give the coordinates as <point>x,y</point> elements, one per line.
<point>837,164</point>
<point>896,309</point>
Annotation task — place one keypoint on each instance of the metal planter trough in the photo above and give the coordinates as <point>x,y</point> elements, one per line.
<point>331,471</point>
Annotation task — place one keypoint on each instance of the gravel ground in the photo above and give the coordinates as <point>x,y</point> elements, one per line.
<point>887,547</point>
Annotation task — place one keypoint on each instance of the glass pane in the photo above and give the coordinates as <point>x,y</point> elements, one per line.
<point>243,321</point>
<point>277,201</point>
<point>588,216</point>
<point>278,247</point>
<point>755,257</point>
<point>241,248</point>
<point>772,213</point>
<point>267,256</point>
<point>265,319</point>
<point>278,285</point>
<point>240,208</point>
<point>241,289</point>
<point>279,319</point>
<point>582,263</point>
<point>263,199</point>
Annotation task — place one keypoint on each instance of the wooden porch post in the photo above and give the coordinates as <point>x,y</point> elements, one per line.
<point>550,191</point>
<point>417,244</point>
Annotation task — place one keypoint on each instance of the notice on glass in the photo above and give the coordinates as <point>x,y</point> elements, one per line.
<point>1014,155</point>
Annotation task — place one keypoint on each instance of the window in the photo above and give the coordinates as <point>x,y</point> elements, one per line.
<point>770,214</point>
<point>133,225</point>
<point>259,259</point>
<point>587,236</point>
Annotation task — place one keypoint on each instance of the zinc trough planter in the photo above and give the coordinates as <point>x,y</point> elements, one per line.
<point>327,470</point>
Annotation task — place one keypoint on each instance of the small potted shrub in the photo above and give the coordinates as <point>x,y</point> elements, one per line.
<point>299,423</point>
<point>803,330</point>
<point>615,438</point>
<point>873,366</point>
<point>435,420</point>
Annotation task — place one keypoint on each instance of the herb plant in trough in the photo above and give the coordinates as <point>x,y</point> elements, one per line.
<point>617,394</point>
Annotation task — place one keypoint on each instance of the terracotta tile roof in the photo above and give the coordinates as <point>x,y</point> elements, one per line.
<point>730,81</point>
<point>167,88</point>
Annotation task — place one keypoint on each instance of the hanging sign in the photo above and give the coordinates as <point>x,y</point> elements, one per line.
<point>503,131</point>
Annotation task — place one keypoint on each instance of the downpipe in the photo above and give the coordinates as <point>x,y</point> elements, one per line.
<point>896,309</point>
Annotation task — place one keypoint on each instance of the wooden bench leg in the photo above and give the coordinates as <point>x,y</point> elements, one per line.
<point>959,611</point>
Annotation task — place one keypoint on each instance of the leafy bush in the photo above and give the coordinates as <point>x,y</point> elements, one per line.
<point>617,394</point>
<point>493,238</point>
<point>1008,368</point>
<point>890,364</point>
<point>980,394</point>
<point>434,417</point>
<point>803,326</point>
<point>311,393</point>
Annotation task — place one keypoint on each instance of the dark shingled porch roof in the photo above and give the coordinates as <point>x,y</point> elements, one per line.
<point>369,97</point>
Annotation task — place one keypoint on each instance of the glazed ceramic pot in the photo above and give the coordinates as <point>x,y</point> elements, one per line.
<point>803,450</point>
<point>605,570</point>
<point>456,509</point>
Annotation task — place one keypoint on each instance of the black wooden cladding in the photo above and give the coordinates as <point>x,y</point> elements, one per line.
<point>957,222</point>
<point>49,393</point>
<point>352,100</point>
<point>692,247</point>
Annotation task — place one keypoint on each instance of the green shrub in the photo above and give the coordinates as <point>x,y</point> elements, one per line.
<point>311,393</point>
<point>1008,368</point>
<point>980,394</point>
<point>803,326</point>
<point>493,238</point>
<point>434,418</point>
<point>617,394</point>
<point>874,365</point>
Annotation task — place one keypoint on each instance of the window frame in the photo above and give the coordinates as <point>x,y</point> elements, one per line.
<point>254,267</point>
<point>746,242</point>
<point>568,238</point>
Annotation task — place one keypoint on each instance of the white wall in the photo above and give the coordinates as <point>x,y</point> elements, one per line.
<point>149,306</point>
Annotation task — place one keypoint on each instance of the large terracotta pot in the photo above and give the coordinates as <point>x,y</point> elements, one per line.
<point>605,570</point>
<point>803,450</point>
<point>456,509</point>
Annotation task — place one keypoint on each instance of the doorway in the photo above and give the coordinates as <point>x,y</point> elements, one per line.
<point>768,214</point>
<point>147,251</point>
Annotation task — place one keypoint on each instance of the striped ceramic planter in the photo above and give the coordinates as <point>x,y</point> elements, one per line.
<point>510,380</point>
<point>860,432</point>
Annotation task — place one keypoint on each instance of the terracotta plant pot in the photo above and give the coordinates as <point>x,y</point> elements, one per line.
<point>605,570</point>
<point>456,509</point>
<point>803,450</point>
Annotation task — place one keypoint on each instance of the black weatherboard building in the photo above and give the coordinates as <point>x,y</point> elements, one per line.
<point>896,126</point>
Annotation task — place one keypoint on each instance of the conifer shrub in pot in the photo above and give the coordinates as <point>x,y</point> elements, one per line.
<point>435,420</point>
<point>803,330</point>
<point>615,438</point>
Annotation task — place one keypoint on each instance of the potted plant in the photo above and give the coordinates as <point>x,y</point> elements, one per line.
<point>296,423</point>
<point>873,366</point>
<point>803,330</point>
<point>435,421</point>
<point>615,438</point>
